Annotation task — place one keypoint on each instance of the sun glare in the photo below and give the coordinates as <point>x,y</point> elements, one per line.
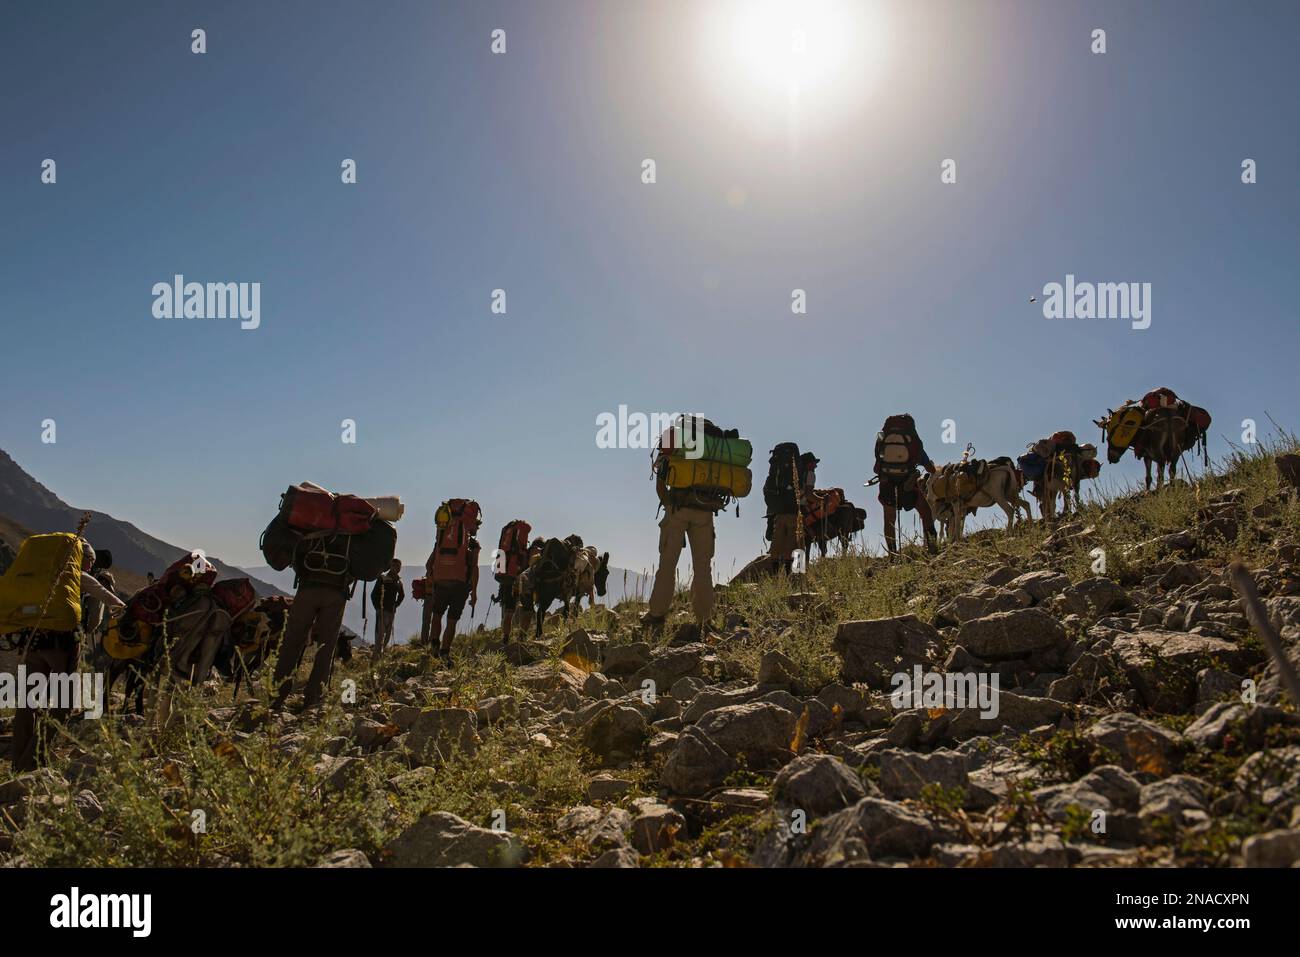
<point>812,58</point>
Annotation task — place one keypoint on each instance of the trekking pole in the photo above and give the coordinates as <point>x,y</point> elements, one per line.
<point>1258,615</point>
<point>798,509</point>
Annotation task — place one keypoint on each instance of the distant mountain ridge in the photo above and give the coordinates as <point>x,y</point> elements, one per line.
<point>30,505</point>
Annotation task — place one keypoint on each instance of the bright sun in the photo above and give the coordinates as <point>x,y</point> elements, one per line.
<point>811,57</point>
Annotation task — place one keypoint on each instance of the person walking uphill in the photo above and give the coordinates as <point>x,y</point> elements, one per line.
<point>898,454</point>
<point>452,570</point>
<point>512,557</point>
<point>698,470</point>
<point>324,586</point>
<point>52,643</point>
<point>386,594</point>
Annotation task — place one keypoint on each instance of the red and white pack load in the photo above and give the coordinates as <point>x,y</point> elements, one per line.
<point>1161,398</point>
<point>310,508</point>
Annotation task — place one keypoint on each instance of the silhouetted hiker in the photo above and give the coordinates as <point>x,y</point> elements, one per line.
<point>92,609</point>
<point>688,517</point>
<point>513,556</point>
<point>386,594</point>
<point>452,570</point>
<point>53,652</point>
<point>898,454</point>
<point>318,605</point>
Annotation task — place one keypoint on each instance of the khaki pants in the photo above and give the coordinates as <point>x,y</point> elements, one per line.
<point>783,538</point>
<point>323,608</point>
<point>57,656</point>
<point>677,527</point>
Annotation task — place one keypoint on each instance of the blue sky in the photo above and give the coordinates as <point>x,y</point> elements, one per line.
<point>522,171</point>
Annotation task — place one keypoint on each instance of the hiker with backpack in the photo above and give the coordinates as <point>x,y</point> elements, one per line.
<point>325,584</point>
<point>898,455</point>
<point>785,493</point>
<point>452,571</point>
<point>386,595</point>
<point>698,469</point>
<point>513,554</point>
<point>51,644</point>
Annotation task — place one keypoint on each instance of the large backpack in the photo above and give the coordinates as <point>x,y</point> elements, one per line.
<point>779,493</point>
<point>42,588</point>
<point>898,448</point>
<point>371,552</point>
<point>514,546</point>
<point>279,543</point>
<point>452,541</point>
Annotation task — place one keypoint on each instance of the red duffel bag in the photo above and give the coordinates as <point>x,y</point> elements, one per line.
<point>308,509</point>
<point>352,515</point>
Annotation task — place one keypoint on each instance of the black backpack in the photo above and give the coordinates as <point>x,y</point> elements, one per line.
<point>778,490</point>
<point>898,448</point>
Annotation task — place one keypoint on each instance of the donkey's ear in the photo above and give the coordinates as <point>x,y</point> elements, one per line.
<point>604,559</point>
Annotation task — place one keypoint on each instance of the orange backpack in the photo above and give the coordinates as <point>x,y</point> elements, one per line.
<point>514,545</point>
<point>451,549</point>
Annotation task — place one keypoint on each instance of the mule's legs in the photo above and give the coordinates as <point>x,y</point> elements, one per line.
<point>1147,463</point>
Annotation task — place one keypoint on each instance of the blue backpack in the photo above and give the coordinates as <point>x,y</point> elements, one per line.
<point>1033,465</point>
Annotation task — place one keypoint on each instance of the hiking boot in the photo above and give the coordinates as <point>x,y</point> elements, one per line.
<point>652,621</point>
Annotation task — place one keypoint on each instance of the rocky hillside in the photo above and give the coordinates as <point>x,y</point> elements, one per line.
<point>1137,720</point>
<point>26,503</point>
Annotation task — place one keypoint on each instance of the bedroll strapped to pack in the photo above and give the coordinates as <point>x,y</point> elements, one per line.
<point>42,588</point>
<point>310,508</point>
<point>1090,468</point>
<point>1064,439</point>
<point>734,481</point>
<point>696,437</point>
<point>898,447</point>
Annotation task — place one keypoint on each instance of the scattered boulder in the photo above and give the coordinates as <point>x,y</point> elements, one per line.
<point>873,651</point>
<point>905,774</point>
<point>440,733</point>
<point>819,784</point>
<point>1137,744</point>
<point>441,839</point>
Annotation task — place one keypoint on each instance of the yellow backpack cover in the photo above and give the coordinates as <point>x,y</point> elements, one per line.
<point>1123,426</point>
<point>124,647</point>
<point>702,473</point>
<point>47,566</point>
